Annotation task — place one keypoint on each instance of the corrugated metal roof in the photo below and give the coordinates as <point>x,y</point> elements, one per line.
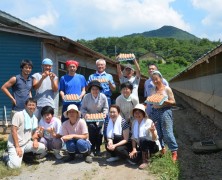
<point>204,58</point>
<point>8,20</point>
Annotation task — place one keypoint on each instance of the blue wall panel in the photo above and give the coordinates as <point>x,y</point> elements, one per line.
<point>14,48</point>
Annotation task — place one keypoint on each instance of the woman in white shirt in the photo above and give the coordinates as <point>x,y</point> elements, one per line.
<point>144,136</point>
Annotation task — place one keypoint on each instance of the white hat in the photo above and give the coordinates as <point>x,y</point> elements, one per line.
<point>140,107</point>
<point>71,107</point>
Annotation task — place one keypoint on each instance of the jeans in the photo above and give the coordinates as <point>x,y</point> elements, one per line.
<point>78,146</point>
<point>164,119</point>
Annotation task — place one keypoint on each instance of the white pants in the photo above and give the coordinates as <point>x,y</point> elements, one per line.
<point>15,161</point>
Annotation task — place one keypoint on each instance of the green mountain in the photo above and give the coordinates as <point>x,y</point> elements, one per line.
<point>167,32</point>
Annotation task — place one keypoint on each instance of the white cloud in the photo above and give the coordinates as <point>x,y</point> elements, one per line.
<point>44,20</point>
<point>127,16</point>
<point>213,9</point>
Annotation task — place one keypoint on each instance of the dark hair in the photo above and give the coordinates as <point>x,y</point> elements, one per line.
<point>144,115</point>
<point>26,62</point>
<point>30,100</point>
<point>126,85</point>
<point>152,64</point>
<point>115,106</point>
<point>46,110</point>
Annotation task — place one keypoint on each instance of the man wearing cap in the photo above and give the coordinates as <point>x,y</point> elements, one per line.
<point>21,86</point>
<point>72,83</point>
<point>106,79</point>
<point>75,134</point>
<point>129,76</point>
<point>46,86</point>
<point>148,86</point>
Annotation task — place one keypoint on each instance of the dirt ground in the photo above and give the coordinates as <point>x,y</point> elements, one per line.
<point>190,127</point>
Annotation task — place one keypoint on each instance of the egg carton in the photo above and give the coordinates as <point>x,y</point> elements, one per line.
<point>157,103</point>
<point>71,100</point>
<point>126,57</point>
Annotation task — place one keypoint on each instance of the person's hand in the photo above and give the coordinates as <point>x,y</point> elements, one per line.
<point>87,116</point>
<point>45,74</point>
<point>112,147</point>
<point>104,116</point>
<point>110,143</point>
<point>35,144</point>
<point>13,101</point>
<point>19,151</point>
<point>152,128</point>
<point>52,76</point>
<point>52,131</point>
<point>133,154</point>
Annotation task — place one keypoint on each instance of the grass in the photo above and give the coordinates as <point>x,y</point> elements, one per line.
<point>4,170</point>
<point>164,167</point>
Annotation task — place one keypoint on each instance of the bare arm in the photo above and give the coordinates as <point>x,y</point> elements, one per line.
<point>8,85</point>
<point>112,86</point>
<point>82,93</point>
<point>54,82</point>
<point>75,136</point>
<point>15,139</point>
<point>137,67</point>
<point>119,71</point>
<point>171,100</point>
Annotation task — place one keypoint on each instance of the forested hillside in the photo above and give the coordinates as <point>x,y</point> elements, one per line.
<point>167,32</point>
<point>173,55</point>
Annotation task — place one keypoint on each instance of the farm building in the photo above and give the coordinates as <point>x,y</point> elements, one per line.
<point>20,40</point>
<point>201,85</point>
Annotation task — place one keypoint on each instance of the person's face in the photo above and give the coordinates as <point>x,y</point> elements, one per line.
<point>113,113</point>
<point>126,92</point>
<point>100,66</point>
<point>72,114</point>
<point>26,70</point>
<point>151,69</point>
<point>46,67</point>
<point>157,80</point>
<point>138,115</point>
<point>30,107</point>
<point>129,72</point>
<point>47,117</point>
<point>95,91</point>
<point>72,68</point>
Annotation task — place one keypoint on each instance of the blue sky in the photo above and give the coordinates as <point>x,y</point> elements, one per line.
<point>89,19</point>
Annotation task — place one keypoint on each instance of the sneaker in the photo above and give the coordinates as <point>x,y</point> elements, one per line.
<point>5,158</point>
<point>88,159</point>
<point>57,154</point>
<point>144,165</point>
<point>130,162</point>
<point>70,157</point>
<point>113,159</point>
<point>97,153</point>
<point>41,156</point>
<point>174,156</point>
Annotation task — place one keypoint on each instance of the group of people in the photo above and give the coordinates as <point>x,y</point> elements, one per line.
<point>131,130</point>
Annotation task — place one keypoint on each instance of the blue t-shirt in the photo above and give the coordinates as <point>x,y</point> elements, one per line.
<point>72,84</point>
<point>106,89</point>
<point>21,91</point>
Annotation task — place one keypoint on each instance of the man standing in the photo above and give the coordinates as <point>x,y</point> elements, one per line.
<point>21,85</point>
<point>72,83</point>
<point>106,79</point>
<point>129,76</point>
<point>148,86</point>
<point>46,85</point>
<point>23,137</point>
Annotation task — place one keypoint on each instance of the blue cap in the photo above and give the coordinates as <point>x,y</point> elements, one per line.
<point>47,61</point>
